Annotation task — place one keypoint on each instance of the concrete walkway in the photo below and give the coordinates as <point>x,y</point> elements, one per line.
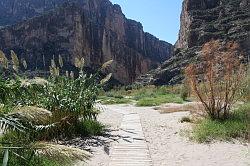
<point>132,149</point>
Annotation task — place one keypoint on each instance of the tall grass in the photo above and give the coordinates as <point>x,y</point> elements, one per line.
<point>235,127</point>
<point>58,108</point>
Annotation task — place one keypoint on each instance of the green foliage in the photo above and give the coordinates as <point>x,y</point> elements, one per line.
<point>112,99</point>
<point>185,91</point>
<point>76,96</point>
<point>15,160</point>
<point>14,91</point>
<point>69,100</point>
<point>236,126</point>
<point>70,112</point>
<point>90,128</point>
<point>145,96</point>
<point>21,150</point>
<point>246,94</point>
<point>158,100</point>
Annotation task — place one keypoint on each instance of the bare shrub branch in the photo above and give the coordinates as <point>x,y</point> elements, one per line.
<point>219,80</point>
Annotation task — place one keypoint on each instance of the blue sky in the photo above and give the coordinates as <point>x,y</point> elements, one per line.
<point>158,17</point>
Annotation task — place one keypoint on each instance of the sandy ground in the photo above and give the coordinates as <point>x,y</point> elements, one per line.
<point>167,145</point>
<point>112,119</point>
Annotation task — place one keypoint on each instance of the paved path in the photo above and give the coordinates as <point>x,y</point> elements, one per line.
<point>132,150</point>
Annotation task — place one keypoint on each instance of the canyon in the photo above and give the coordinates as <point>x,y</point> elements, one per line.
<point>97,30</point>
<point>202,21</point>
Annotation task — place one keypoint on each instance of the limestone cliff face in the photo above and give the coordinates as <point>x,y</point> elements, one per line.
<point>94,29</point>
<point>201,21</point>
<point>13,11</point>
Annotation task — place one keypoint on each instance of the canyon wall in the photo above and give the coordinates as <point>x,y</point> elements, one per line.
<point>94,29</point>
<point>202,21</point>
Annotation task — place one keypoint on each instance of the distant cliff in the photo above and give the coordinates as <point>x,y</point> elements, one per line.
<point>13,11</point>
<point>97,30</point>
<point>201,21</point>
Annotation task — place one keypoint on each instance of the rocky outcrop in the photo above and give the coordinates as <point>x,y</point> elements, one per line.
<point>14,11</point>
<point>94,29</point>
<point>201,21</point>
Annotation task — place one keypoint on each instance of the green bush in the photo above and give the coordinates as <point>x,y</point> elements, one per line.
<point>90,128</point>
<point>234,127</point>
<point>158,100</point>
<point>22,151</point>
<point>76,96</point>
<point>185,92</point>
<point>246,94</point>
<point>70,101</point>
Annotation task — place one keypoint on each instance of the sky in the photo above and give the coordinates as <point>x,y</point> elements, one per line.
<point>158,17</point>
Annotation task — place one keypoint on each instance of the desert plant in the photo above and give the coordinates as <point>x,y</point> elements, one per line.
<point>17,91</point>
<point>247,90</point>
<point>218,81</point>
<point>185,92</point>
<point>236,126</point>
<point>70,102</point>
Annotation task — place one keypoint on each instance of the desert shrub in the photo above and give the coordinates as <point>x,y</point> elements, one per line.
<point>218,82</point>
<point>246,93</point>
<point>90,128</point>
<point>185,92</point>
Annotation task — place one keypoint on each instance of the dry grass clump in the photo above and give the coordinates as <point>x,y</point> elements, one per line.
<point>3,60</point>
<point>32,114</point>
<point>192,107</point>
<point>61,153</point>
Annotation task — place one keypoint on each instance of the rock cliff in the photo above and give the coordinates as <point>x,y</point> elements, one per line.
<point>201,21</point>
<point>39,30</point>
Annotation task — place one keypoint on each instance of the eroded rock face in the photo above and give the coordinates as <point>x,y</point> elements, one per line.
<point>94,29</point>
<point>201,21</point>
<point>13,11</point>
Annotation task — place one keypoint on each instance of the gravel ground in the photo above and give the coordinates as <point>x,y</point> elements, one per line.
<point>166,143</point>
